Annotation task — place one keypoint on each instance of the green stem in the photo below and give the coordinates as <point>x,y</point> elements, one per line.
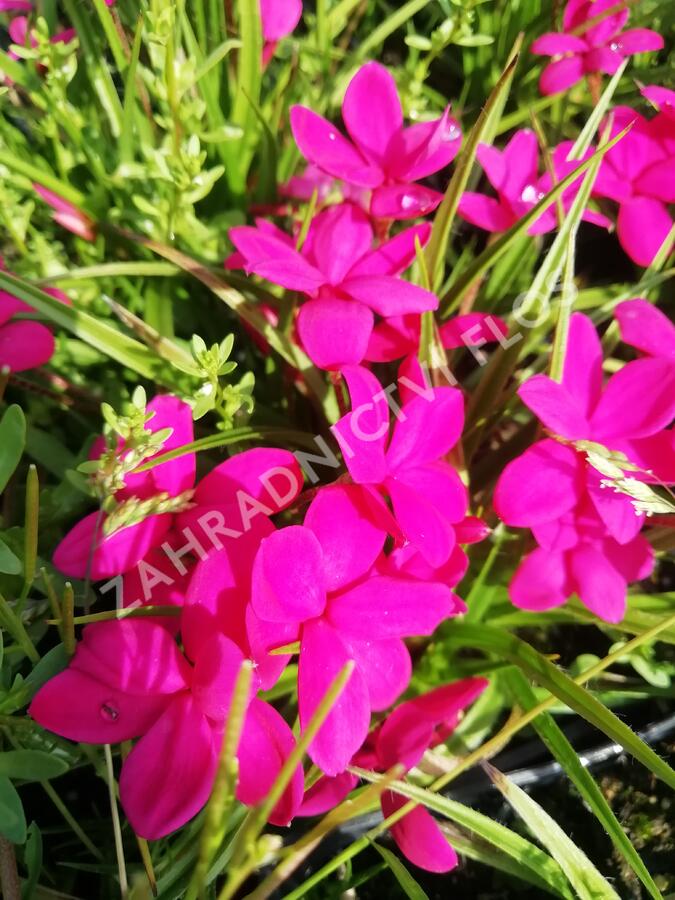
<point>14,625</point>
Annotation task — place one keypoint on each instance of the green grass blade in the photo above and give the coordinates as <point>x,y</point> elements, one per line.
<point>407,883</point>
<point>524,852</point>
<point>445,214</point>
<point>12,442</point>
<point>247,95</point>
<point>581,778</point>
<point>91,330</point>
<point>588,883</point>
<point>588,132</point>
<point>126,143</point>
<point>536,666</point>
<point>390,24</point>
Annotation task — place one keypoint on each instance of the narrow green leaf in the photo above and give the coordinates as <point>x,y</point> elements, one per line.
<point>47,179</point>
<point>91,330</point>
<point>247,96</point>
<point>588,132</point>
<point>581,778</point>
<point>389,25</point>
<point>112,36</point>
<point>518,848</point>
<point>583,876</point>
<point>508,646</point>
<point>126,142</point>
<point>408,884</point>
<point>12,818</point>
<point>12,442</point>
<point>31,765</point>
<point>445,214</point>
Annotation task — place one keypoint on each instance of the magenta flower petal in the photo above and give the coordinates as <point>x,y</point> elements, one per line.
<point>410,729</point>
<point>372,111</point>
<point>521,159</point>
<point>424,148</point>
<point>395,255</point>
<point>599,586</point>
<point>386,668</point>
<point>403,201</point>
<point>288,576</point>
<point>135,656</point>
<point>485,212</point>
<point>327,793</point>
<point>81,708</point>
<point>540,582</point>
<point>555,43</point>
<point>473,329</point>
<point>335,332</point>
<point>422,523</point>
<point>615,510</point>
<point>608,26</point>
<point>25,345</point>
<point>638,40</point>
<point>658,180</point>
<point>542,484</point>
<point>634,560</point>
<point>393,338</point>
<point>322,144</point>
<point>383,607</point>
<point>322,656</point>
<point>362,433</point>
<point>334,258</point>
<point>350,542</point>
<point>215,674</point>
<point>582,373</point>
<point>84,552</point>
<point>175,476</point>
<point>655,453</point>
<point>638,401</point>
<point>389,296</point>
<point>273,259</point>
<point>440,485</point>
<point>267,475</point>
<point>643,225</point>
<point>266,742</point>
<point>561,74</point>
<point>279,17</point>
<point>602,59</point>
<point>180,750</point>
<point>419,837</point>
<point>427,429</point>
<point>556,408</point>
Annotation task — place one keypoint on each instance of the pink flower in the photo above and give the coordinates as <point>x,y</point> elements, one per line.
<point>278,19</point>
<point>427,495</point>
<point>662,98</point>
<point>315,583</point>
<point>639,174</point>
<point>24,344</point>
<point>514,174</point>
<point>345,279</point>
<point>67,215</point>
<point>399,336</point>
<point>645,327</point>
<point>555,492</point>
<point>580,51</point>
<point>229,509</point>
<point>405,735</point>
<point>128,680</point>
<point>382,155</point>
<point>577,556</point>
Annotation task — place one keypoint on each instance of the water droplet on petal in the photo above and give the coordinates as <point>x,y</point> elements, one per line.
<point>109,711</point>
<point>451,133</point>
<point>530,194</point>
<point>331,135</point>
<point>615,46</point>
<point>407,202</point>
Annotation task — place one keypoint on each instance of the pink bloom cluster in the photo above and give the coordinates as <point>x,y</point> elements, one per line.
<point>587,533</point>
<point>592,40</point>
<point>326,589</point>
